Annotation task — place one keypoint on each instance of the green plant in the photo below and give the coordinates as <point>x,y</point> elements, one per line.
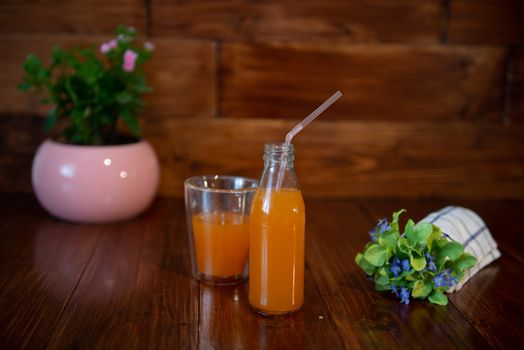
<point>421,262</point>
<point>90,91</point>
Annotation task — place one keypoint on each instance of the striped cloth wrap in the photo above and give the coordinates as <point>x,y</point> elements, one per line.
<point>466,227</point>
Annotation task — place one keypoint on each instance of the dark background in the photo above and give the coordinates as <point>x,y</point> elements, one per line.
<point>433,99</point>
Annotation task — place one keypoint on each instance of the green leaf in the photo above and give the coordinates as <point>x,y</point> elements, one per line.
<point>459,274</point>
<point>417,261</point>
<point>403,246</point>
<point>46,100</point>
<point>423,229</point>
<point>24,86</point>
<point>437,297</point>
<point>435,234</point>
<point>51,119</point>
<point>409,228</point>
<point>420,233</point>
<point>389,239</point>
<point>132,122</point>
<point>143,89</point>
<point>123,97</point>
<point>382,288</point>
<point>421,289</point>
<point>70,91</point>
<point>381,277</point>
<point>58,56</point>
<point>464,262</point>
<point>376,255</point>
<point>32,64</point>
<point>451,250</point>
<point>77,116</point>
<point>437,245</point>
<point>396,215</point>
<point>364,264</point>
<point>409,277</point>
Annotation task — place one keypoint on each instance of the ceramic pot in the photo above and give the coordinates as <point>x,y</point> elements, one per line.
<point>95,184</point>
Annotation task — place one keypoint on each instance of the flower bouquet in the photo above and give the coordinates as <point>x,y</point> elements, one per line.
<point>421,262</point>
<point>91,91</point>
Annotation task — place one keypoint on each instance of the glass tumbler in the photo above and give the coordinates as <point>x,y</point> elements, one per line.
<point>217,217</point>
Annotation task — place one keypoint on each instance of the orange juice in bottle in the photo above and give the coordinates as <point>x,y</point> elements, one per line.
<point>276,237</point>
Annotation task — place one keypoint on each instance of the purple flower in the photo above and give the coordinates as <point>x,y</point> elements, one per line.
<point>373,235</point>
<point>108,46</point>
<point>406,265</point>
<point>430,265</point>
<point>379,229</point>
<point>383,226</point>
<point>395,270</point>
<point>129,60</point>
<point>445,279</point>
<point>404,295</point>
<point>438,280</point>
<point>395,266</point>
<point>394,289</point>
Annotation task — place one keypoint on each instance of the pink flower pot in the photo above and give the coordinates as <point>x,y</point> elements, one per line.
<point>95,184</point>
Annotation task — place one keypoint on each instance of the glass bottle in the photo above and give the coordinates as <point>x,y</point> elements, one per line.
<point>276,236</point>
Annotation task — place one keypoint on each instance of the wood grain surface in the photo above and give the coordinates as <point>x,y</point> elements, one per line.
<point>129,285</point>
<point>19,140</point>
<point>333,159</point>
<point>486,22</point>
<point>138,287</point>
<point>72,16</point>
<point>516,93</point>
<point>340,159</point>
<point>40,269</point>
<point>350,21</point>
<point>182,74</point>
<point>386,82</point>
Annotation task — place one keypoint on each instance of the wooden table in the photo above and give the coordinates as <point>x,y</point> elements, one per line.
<point>128,285</point>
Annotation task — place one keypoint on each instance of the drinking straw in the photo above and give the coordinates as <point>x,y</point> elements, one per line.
<point>303,124</point>
<point>312,116</point>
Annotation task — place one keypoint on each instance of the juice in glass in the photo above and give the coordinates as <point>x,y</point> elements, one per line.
<point>217,215</point>
<point>276,251</point>
<point>221,243</point>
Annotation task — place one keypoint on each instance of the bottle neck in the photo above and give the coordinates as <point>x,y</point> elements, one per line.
<point>278,170</point>
<point>279,154</point>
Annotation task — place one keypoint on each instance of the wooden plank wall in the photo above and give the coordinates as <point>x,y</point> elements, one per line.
<point>433,99</point>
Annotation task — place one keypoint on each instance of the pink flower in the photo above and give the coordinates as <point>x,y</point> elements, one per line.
<point>106,47</point>
<point>129,60</point>
<point>149,46</point>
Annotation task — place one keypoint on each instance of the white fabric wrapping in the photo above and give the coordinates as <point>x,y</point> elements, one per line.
<point>466,227</point>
